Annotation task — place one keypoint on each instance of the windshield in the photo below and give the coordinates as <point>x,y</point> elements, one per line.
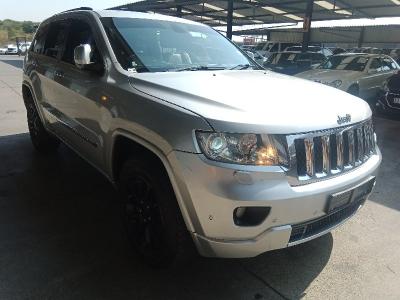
<point>146,45</point>
<point>343,62</point>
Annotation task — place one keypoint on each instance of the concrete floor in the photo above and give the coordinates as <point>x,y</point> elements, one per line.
<point>61,237</point>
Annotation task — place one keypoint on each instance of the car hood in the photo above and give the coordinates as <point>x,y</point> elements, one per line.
<point>329,75</point>
<point>253,100</point>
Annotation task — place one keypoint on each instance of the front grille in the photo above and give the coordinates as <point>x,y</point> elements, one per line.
<point>318,155</point>
<point>311,228</point>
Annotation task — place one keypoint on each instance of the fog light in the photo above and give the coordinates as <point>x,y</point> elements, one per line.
<point>239,212</point>
<point>250,216</point>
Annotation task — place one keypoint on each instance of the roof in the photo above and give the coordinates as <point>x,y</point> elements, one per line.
<point>141,15</point>
<point>248,12</point>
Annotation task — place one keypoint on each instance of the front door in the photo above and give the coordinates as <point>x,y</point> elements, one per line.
<point>81,93</point>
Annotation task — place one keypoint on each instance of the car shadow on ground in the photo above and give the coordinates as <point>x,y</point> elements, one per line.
<point>61,237</point>
<point>18,63</point>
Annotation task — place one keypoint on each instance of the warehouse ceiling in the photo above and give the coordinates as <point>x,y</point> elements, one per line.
<point>247,12</point>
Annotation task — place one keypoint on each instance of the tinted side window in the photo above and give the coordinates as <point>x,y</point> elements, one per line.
<point>38,42</point>
<point>55,39</point>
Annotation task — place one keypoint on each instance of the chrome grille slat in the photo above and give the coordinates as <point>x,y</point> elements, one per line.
<point>370,138</point>
<point>326,168</point>
<point>309,145</point>
<point>360,145</point>
<point>339,150</point>
<point>319,155</point>
<point>350,135</point>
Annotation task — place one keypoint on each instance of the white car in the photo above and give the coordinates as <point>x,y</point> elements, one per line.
<point>11,49</point>
<point>3,50</point>
<point>359,74</point>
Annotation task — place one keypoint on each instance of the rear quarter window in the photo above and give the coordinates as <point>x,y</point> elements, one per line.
<point>39,40</point>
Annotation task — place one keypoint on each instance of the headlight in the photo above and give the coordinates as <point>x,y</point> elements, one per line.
<point>335,83</point>
<point>245,149</point>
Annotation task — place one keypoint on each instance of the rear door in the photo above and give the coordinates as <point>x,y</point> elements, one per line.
<point>33,66</point>
<point>48,61</point>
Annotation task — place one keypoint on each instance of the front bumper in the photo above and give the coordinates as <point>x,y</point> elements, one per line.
<point>214,190</point>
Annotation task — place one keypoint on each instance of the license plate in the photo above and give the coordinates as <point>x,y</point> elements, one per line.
<point>396,100</point>
<point>341,199</point>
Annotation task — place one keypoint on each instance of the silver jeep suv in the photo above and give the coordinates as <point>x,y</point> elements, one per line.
<point>206,148</point>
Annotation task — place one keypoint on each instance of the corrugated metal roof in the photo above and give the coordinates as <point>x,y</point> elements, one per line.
<point>247,12</point>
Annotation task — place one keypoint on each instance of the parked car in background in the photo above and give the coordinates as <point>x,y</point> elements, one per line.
<point>12,49</point>
<point>259,58</point>
<point>256,57</point>
<point>291,63</point>
<point>386,51</point>
<point>206,148</point>
<point>337,50</point>
<point>23,47</point>
<point>389,99</point>
<point>3,50</point>
<point>316,49</point>
<point>267,48</point>
<point>248,47</point>
<point>372,50</point>
<point>358,74</point>
<point>395,54</point>
<point>368,50</point>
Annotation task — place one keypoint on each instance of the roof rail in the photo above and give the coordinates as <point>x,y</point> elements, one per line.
<point>79,8</point>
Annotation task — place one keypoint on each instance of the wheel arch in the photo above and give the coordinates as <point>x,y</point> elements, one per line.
<point>27,88</point>
<point>124,144</point>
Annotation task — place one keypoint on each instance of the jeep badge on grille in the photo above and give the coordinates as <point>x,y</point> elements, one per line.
<point>345,119</point>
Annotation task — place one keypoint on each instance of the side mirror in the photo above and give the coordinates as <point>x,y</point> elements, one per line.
<point>82,55</point>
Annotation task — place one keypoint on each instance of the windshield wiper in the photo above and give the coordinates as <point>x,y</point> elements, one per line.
<point>241,67</point>
<point>198,68</point>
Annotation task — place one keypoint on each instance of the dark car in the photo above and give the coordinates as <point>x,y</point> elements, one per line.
<point>291,63</point>
<point>338,50</point>
<point>389,99</point>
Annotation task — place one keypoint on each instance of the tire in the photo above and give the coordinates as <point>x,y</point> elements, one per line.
<point>354,90</point>
<point>151,215</point>
<point>43,141</point>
